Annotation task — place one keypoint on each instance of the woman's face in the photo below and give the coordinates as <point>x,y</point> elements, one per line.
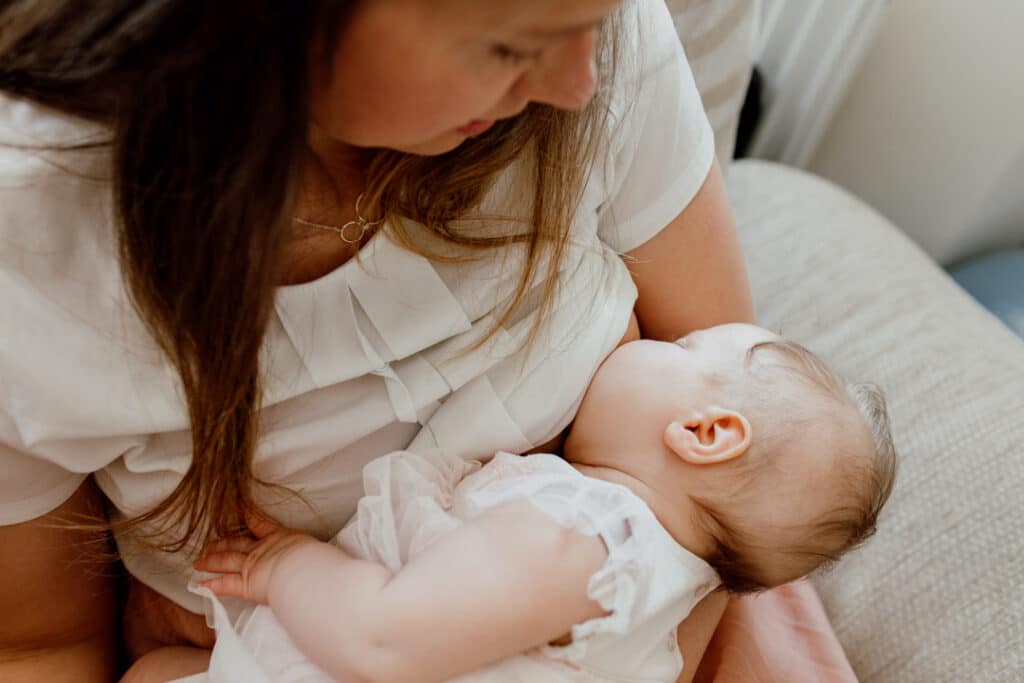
<point>421,76</point>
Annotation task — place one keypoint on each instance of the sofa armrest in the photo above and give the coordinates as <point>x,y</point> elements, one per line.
<point>938,593</point>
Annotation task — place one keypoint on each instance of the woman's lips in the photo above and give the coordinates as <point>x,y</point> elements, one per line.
<point>476,127</point>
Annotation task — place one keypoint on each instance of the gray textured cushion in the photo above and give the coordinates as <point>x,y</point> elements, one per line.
<point>937,595</point>
<point>718,37</point>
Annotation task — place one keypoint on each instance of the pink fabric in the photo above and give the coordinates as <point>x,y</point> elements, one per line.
<point>781,636</point>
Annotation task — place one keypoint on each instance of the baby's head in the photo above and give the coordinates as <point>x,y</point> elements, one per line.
<point>751,451</point>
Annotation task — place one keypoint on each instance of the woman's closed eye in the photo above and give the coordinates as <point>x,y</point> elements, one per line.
<point>507,53</point>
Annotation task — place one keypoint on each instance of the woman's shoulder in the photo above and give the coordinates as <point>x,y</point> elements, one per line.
<point>660,144</point>
<point>24,122</point>
<point>647,35</point>
<point>60,279</point>
<point>55,189</point>
<point>55,200</point>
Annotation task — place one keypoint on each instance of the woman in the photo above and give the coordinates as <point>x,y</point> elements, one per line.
<point>184,185</point>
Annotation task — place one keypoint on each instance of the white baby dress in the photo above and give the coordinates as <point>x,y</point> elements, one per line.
<point>648,584</point>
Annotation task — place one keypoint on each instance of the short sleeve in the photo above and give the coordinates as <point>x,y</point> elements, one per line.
<point>68,383</point>
<point>661,143</point>
<point>648,582</point>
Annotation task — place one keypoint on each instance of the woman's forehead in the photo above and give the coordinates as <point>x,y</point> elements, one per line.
<point>541,18</point>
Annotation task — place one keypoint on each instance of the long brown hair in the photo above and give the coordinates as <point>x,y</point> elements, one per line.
<point>206,106</point>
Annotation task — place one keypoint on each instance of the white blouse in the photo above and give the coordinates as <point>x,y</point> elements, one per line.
<point>366,360</point>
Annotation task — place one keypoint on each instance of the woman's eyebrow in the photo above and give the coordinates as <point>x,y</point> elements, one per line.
<point>540,33</point>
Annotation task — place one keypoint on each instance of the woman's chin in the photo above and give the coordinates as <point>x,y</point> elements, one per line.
<point>442,144</point>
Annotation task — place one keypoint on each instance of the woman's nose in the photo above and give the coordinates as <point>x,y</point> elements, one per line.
<point>566,77</point>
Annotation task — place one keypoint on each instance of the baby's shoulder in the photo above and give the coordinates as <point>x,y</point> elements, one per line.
<point>508,476</point>
<point>557,488</point>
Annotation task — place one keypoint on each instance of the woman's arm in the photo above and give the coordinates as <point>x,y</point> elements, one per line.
<point>57,598</point>
<point>692,275</point>
<point>508,581</point>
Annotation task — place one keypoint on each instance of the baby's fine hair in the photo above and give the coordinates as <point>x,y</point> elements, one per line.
<point>867,483</point>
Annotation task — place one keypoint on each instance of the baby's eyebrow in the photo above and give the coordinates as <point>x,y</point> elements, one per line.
<point>748,358</point>
<point>793,351</point>
<point>758,346</point>
<point>807,365</point>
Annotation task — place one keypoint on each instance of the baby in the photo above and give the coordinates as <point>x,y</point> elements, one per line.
<point>732,458</point>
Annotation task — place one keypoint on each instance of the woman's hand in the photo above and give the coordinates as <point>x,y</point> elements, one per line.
<point>247,564</point>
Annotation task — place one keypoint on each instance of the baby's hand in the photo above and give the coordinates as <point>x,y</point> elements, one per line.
<point>247,563</point>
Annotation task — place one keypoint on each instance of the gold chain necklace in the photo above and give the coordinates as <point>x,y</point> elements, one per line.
<point>346,232</point>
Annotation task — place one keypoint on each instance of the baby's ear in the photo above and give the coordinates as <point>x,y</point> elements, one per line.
<point>709,436</point>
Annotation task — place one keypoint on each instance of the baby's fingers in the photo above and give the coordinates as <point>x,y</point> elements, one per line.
<point>225,562</point>
<point>259,524</point>
<point>239,544</point>
<point>229,584</point>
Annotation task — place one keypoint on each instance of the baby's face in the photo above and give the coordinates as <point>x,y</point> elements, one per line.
<point>644,386</point>
<point>645,379</point>
<point>720,353</point>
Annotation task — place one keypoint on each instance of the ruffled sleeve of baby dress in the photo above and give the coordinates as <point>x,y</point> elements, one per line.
<point>648,584</point>
<point>405,507</point>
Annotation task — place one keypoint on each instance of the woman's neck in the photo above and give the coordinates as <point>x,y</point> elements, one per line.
<point>343,163</point>
<point>334,178</point>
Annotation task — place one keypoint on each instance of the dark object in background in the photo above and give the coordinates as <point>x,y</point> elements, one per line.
<point>750,115</point>
<point>997,282</point>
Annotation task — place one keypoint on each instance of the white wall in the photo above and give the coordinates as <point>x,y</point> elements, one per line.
<point>931,130</point>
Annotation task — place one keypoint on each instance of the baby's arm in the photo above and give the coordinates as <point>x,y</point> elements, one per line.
<point>508,581</point>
